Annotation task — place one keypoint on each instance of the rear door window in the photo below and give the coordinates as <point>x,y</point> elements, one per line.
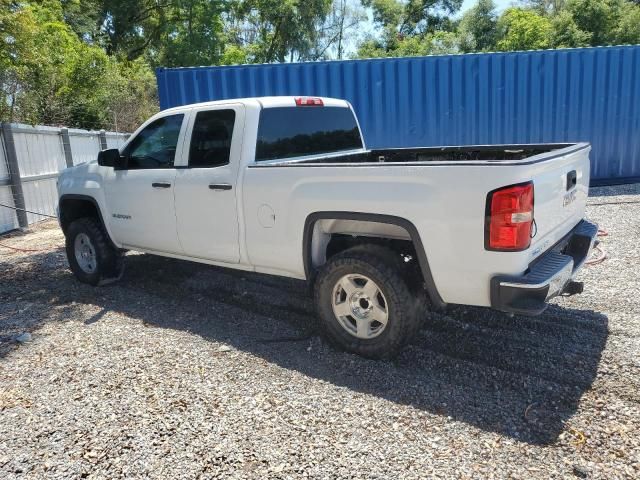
<point>286,132</point>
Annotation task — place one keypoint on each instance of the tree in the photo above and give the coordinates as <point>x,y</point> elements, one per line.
<point>443,43</point>
<point>545,7</point>
<point>17,34</point>
<point>438,43</point>
<point>566,34</point>
<point>192,34</point>
<point>338,29</point>
<point>50,76</point>
<point>278,30</point>
<point>399,22</point>
<point>422,17</point>
<point>53,53</point>
<point>520,29</point>
<point>386,13</point>
<point>85,18</point>
<point>627,29</point>
<point>597,17</point>
<point>477,28</point>
<point>128,96</point>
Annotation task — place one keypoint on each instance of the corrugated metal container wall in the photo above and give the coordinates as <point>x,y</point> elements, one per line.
<point>588,94</point>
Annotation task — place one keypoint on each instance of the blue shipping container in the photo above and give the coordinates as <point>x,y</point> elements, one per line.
<point>585,94</point>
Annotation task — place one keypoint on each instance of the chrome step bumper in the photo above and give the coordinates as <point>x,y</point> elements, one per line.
<point>547,276</point>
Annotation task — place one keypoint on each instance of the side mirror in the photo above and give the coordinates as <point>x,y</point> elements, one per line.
<point>109,157</point>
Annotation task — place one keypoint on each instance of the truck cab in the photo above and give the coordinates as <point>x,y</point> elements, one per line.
<point>174,186</point>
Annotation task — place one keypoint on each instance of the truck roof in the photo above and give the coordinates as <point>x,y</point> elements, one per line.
<point>264,102</point>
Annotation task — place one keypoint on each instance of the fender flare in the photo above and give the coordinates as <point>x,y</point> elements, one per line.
<point>307,237</point>
<point>94,202</point>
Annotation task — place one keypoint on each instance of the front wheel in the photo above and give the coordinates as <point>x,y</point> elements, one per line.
<point>92,258</point>
<point>364,303</point>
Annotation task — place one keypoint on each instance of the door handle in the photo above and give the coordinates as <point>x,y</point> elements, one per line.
<point>161,185</point>
<point>220,186</point>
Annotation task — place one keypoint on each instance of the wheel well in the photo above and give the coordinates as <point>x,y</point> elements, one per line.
<point>341,242</point>
<point>71,209</point>
<point>403,248</point>
<point>326,245</point>
<point>328,233</point>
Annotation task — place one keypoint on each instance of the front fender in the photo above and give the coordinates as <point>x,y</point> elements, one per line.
<point>86,182</point>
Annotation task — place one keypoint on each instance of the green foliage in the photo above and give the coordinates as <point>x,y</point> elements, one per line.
<point>520,29</point>
<point>538,24</point>
<point>412,17</point>
<point>597,17</point>
<point>444,43</point>
<point>477,28</point>
<point>340,28</point>
<point>84,17</point>
<point>234,55</point>
<point>17,33</point>
<point>565,32</point>
<point>428,16</point>
<point>128,96</point>
<point>608,22</point>
<point>627,29</point>
<point>192,34</point>
<point>281,30</point>
<point>408,28</point>
<point>438,43</point>
<point>50,76</point>
<point>545,7</point>
<point>386,12</point>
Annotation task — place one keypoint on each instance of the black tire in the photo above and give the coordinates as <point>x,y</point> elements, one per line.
<point>404,302</point>
<point>109,260</point>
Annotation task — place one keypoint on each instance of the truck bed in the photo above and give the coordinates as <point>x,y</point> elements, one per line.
<point>464,153</point>
<point>442,191</point>
<point>427,155</point>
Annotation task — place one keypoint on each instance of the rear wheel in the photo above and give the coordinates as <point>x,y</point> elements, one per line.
<point>364,302</point>
<point>92,258</point>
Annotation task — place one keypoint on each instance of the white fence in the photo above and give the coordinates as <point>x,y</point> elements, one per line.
<point>31,159</point>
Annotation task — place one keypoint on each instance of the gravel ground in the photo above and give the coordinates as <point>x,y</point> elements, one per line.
<point>188,371</point>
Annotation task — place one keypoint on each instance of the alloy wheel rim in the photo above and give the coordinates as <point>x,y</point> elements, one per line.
<point>85,253</point>
<point>360,306</point>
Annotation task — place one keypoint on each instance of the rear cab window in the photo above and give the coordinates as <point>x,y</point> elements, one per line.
<point>287,132</point>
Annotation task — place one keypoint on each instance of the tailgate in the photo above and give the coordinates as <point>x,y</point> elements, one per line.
<point>561,187</point>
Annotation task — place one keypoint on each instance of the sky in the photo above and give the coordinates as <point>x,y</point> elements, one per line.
<point>500,4</point>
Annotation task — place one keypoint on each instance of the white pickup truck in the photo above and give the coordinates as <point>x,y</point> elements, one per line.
<point>286,186</point>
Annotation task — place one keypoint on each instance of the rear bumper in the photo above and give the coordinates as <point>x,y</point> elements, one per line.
<point>547,276</point>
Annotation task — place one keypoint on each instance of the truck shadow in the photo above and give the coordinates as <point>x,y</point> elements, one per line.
<point>520,377</point>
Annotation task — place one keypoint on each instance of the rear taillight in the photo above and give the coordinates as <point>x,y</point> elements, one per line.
<point>309,102</point>
<point>509,216</point>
